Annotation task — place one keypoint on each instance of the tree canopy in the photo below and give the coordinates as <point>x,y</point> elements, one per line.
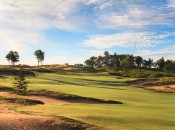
<point>39,56</point>
<point>126,61</point>
<point>12,57</point>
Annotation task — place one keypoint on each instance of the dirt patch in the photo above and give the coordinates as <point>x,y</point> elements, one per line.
<point>153,84</point>
<point>164,88</point>
<point>43,99</point>
<point>143,82</point>
<point>11,120</point>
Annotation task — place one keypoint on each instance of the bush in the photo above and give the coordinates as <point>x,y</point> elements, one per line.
<point>166,80</point>
<point>155,75</point>
<point>169,67</point>
<point>134,73</point>
<point>140,73</point>
<point>20,84</point>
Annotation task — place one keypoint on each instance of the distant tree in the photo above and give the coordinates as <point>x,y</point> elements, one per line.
<point>145,63</point>
<point>20,84</point>
<point>106,59</point>
<point>99,62</point>
<point>138,61</point>
<point>91,62</point>
<point>148,63</point>
<point>88,63</point>
<point>126,63</point>
<point>39,56</point>
<point>12,57</point>
<point>160,63</point>
<point>169,66</point>
<point>115,61</point>
<point>79,65</point>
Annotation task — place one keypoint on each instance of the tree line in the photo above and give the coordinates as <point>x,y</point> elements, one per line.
<point>127,61</point>
<point>13,57</point>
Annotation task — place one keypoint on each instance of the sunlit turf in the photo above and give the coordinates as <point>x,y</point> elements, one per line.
<point>129,117</point>
<point>143,109</point>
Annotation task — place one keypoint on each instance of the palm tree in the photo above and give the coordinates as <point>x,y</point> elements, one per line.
<point>39,56</point>
<point>12,57</point>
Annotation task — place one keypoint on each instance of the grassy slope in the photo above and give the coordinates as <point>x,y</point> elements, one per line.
<point>143,109</point>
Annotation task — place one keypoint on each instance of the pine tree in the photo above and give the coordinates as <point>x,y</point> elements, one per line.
<point>20,84</point>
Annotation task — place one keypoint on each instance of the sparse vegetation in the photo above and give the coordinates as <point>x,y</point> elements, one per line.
<point>20,84</point>
<point>167,80</point>
<point>141,73</point>
<point>20,101</point>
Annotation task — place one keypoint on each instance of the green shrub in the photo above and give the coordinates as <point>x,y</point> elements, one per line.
<point>155,75</point>
<point>20,84</point>
<point>140,73</point>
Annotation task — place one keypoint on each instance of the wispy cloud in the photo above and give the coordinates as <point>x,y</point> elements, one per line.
<point>127,39</point>
<point>95,52</point>
<point>64,59</point>
<point>136,14</point>
<point>171,3</point>
<point>24,23</point>
<point>167,53</point>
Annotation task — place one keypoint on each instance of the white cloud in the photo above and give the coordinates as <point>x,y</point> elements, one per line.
<point>167,53</point>
<point>48,60</point>
<point>171,3</point>
<point>136,14</point>
<point>64,59</point>
<point>22,22</point>
<point>138,39</point>
<point>95,52</point>
<point>92,1</point>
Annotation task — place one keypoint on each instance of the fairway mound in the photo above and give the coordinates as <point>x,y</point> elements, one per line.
<point>20,101</point>
<point>40,99</point>
<point>6,89</point>
<point>71,98</point>
<point>70,68</point>
<point>33,70</point>
<point>50,97</point>
<point>143,82</point>
<point>163,88</point>
<point>80,69</point>
<point>13,72</point>
<point>154,85</point>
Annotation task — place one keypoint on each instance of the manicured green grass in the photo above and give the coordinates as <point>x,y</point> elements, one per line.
<point>129,117</point>
<point>143,109</point>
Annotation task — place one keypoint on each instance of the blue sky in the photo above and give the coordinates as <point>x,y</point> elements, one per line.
<point>70,31</point>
